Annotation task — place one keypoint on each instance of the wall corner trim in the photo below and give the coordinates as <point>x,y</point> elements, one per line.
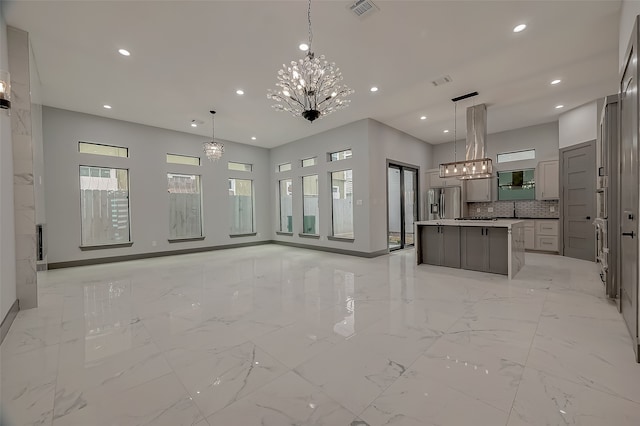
<point>8,319</point>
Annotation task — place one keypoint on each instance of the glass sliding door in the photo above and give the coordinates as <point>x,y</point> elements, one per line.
<point>409,198</point>
<point>402,205</point>
<point>394,207</point>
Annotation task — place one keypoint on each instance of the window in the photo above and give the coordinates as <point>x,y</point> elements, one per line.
<point>94,148</point>
<point>310,211</point>
<point>308,162</point>
<point>183,159</point>
<point>284,167</point>
<point>286,206</point>
<point>185,206</point>
<point>104,206</point>
<point>241,206</point>
<point>340,155</point>
<point>342,203</point>
<point>505,157</point>
<point>242,167</point>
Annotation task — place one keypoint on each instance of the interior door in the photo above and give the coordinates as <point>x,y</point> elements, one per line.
<point>578,175</point>
<point>402,205</point>
<point>629,196</point>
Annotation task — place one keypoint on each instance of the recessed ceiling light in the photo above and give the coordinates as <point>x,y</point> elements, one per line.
<point>240,92</point>
<point>124,52</point>
<point>303,47</point>
<point>374,89</point>
<point>253,138</point>
<point>559,106</point>
<point>107,106</point>
<point>557,81</point>
<point>424,117</point>
<point>519,28</point>
<point>446,131</point>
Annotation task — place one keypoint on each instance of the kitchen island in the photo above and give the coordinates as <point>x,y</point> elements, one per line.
<point>495,246</point>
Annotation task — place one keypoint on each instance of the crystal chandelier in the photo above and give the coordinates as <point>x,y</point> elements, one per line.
<point>309,87</point>
<point>213,149</point>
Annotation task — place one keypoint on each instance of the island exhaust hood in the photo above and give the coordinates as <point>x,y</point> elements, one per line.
<point>476,164</point>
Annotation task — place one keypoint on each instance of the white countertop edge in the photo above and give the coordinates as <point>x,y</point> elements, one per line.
<point>500,223</point>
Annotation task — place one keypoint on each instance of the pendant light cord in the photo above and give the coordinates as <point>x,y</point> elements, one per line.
<point>309,19</point>
<point>455,134</point>
<point>213,126</point>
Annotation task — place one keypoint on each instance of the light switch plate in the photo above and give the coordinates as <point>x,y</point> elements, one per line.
<point>490,209</point>
<point>478,210</point>
<point>552,209</point>
<point>358,202</point>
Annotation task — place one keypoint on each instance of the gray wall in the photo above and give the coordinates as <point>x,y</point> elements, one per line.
<point>148,170</point>
<point>628,12</point>
<point>351,136</point>
<point>542,137</point>
<point>389,144</point>
<point>7,225</point>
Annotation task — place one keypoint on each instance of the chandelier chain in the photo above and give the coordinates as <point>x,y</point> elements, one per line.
<point>310,32</point>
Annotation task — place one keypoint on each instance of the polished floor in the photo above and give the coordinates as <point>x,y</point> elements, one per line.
<point>272,335</point>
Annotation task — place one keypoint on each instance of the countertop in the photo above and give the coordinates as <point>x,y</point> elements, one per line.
<point>500,223</point>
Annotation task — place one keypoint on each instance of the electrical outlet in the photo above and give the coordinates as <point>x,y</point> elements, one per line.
<point>358,202</point>
<point>154,243</point>
<point>552,209</point>
<point>490,209</point>
<point>478,210</point>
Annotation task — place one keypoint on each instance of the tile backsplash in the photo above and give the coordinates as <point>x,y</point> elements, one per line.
<point>525,208</point>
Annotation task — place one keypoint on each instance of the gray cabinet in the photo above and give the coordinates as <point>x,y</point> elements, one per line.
<point>485,249</point>
<point>441,245</point>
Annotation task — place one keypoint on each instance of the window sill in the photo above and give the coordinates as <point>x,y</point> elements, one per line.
<point>346,240</point>
<point>290,234</point>
<point>250,234</point>
<point>106,246</point>
<point>314,236</point>
<point>183,240</point>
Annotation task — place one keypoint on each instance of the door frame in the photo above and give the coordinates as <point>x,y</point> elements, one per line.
<point>632,46</point>
<point>561,183</point>
<point>402,166</point>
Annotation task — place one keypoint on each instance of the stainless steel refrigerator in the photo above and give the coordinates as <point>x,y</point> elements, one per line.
<point>444,203</point>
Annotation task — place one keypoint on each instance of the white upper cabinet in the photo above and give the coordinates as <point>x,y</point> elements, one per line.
<point>480,189</point>
<point>548,180</point>
<point>435,181</point>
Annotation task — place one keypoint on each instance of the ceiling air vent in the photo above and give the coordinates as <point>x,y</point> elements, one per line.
<point>442,80</point>
<point>363,8</point>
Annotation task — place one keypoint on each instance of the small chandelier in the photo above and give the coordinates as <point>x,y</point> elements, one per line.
<point>213,149</point>
<point>309,87</point>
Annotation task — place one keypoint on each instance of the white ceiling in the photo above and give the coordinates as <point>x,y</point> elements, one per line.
<point>190,56</point>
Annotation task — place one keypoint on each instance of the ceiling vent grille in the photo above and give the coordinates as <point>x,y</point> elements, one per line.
<point>442,80</point>
<point>363,8</point>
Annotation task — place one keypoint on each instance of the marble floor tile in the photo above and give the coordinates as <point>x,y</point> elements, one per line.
<point>417,400</point>
<point>301,341</point>
<point>482,376</point>
<point>351,374</point>
<point>220,380</point>
<point>288,400</point>
<point>547,400</point>
<point>160,402</point>
<point>112,375</point>
<point>273,335</point>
